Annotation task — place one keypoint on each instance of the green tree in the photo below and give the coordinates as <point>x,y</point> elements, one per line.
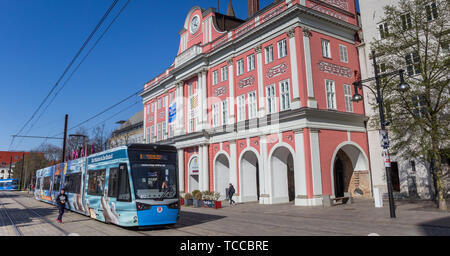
<point>33,162</point>
<point>417,40</point>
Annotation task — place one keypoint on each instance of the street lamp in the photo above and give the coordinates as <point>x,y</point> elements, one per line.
<point>402,87</point>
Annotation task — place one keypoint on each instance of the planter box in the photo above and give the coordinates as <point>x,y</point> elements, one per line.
<point>198,203</point>
<point>212,204</point>
<point>189,202</point>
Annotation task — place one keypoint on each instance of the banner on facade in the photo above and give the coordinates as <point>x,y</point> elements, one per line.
<point>172,112</point>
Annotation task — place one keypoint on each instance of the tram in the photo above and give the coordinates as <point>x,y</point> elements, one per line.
<point>9,184</point>
<point>129,186</point>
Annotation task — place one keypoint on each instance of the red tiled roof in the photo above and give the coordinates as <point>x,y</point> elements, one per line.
<point>5,157</point>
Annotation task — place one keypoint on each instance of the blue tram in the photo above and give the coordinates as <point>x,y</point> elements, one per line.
<point>9,185</point>
<point>130,186</point>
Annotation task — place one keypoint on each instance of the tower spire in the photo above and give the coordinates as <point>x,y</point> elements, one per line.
<point>230,11</point>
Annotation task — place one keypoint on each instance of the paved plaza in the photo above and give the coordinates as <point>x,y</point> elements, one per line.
<point>34,218</point>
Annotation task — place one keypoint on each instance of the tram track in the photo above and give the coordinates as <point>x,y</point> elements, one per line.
<point>40,218</point>
<point>13,223</point>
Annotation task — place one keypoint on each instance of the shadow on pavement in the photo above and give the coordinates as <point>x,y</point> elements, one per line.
<point>20,217</point>
<point>438,227</point>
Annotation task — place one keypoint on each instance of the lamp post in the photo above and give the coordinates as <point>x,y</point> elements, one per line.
<point>402,87</point>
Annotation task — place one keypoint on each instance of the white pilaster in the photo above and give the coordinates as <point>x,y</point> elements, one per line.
<point>231,120</point>
<point>233,165</point>
<point>301,195</point>
<point>312,103</point>
<point>180,109</point>
<point>315,165</point>
<point>263,170</point>
<point>205,167</point>
<point>181,170</point>
<point>296,104</point>
<point>204,106</point>
<point>259,68</point>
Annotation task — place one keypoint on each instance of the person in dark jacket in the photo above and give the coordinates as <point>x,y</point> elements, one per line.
<point>231,192</point>
<point>61,201</point>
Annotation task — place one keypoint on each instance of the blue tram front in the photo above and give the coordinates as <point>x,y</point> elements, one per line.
<point>127,186</point>
<point>9,184</point>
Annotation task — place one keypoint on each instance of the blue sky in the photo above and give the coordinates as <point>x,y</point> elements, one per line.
<point>39,39</point>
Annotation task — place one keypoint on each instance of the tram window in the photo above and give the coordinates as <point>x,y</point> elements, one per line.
<point>113,182</point>
<point>56,183</point>
<point>73,183</point>
<point>124,185</point>
<point>46,183</point>
<point>96,182</point>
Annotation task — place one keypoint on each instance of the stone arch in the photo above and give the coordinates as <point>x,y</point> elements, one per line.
<point>250,175</point>
<point>350,171</point>
<point>193,175</point>
<point>281,164</point>
<point>221,173</point>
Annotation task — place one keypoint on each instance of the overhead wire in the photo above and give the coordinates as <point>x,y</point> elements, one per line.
<point>67,68</point>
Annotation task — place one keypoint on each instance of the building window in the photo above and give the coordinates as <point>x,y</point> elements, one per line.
<point>171,131</point>
<point>348,98</point>
<point>431,10</point>
<point>331,94</point>
<point>269,54</point>
<point>148,135</point>
<point>166,101</point>
<point>159,103</point>
<point>419,103</point>
<point>271,99</point>
<point>285,98</point>
<point>225,112</point>
<point>282,49</point>
<point>191,125</point>
<point>343,53</point>
<point>152,134</point>
<point>158,135</point>
<point>153,107</point>
<point>215,115</point>
<point>250,62</point>
<point>241,108</point>
<point>240,67</point>
<point>148,109</point>
<point>406,21</point>
<point>384,30</point>
<point>215,77</point>
<point>252,106</point>
<point>190,89</point>
<point>164,128</point>
<point>326,51</point>
<point>413,63</point>
<point>224,73</point>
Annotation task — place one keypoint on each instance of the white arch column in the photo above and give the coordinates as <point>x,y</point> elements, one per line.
<point>263,172</point>
<point>181,170</point>
<point>316,168</point>
<point>301,196</point>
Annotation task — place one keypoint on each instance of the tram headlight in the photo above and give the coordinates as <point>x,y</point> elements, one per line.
<point>142,206</point>
<point>175,205</point>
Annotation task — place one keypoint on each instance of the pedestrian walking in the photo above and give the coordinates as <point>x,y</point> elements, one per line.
<point>61,200</point>
<point>231,192</point>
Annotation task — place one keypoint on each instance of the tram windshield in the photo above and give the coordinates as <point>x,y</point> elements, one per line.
<point>154,181</point>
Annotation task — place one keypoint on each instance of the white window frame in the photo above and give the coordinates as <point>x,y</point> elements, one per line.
<point>224,72</point>
<point>241,108</point>
<point>330,90</point>
<point>282,48</point>
<point>147,139</point>
<point>271,99</point>
<point>383,29</point>
<point>240,67</point>
<point>159,103</point>
<point>285,95</point>
<point>225,112</point>
<point>343,52</point>
<point>215,77</point>
<point>412,66</point>
<point>252,105</point>
<point>250,62</point>
<point>153,106</point>
<point>152,133</point>
<point>158,135</point>
<point>431,10</point>
<point>348,98</point>
<point>164,130</point>
<point>406,21</point>
<point>269,54</point>
<point>326,48</point>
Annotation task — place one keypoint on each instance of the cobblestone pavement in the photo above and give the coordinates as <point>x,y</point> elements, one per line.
<point>34,218</point>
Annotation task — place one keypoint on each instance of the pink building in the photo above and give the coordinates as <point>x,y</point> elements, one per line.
<point>265,103</point>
